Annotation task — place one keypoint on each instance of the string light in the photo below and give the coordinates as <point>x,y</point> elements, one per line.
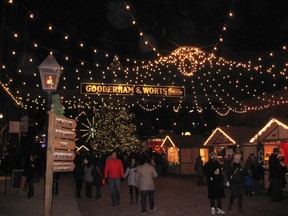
<point>193,64</point>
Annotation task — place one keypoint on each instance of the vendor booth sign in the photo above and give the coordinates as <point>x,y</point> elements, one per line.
<point>173,155</point>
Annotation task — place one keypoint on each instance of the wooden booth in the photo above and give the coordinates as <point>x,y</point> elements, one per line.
<point>226,141</point>
<point>154,143</point>
<point>182,152</point>
<point>273,134</point>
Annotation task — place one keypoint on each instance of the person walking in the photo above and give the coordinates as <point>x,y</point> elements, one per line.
<point>29,172</point>
<point>145,181</point>
<point>98,175</point>
<point>237,182</point>
<point>78,174</point>
<point>248,180</point>
<point>131,174</point>
<point>88,177</point>
<point>257,172</point>
<point>114,172</point>
<point>199,170</point>
<point>215,184</point>
<point>275,188</point>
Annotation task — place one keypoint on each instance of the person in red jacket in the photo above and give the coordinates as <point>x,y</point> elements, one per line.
<point>114,172</point>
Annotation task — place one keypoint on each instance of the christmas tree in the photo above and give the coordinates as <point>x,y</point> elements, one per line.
<point>114,131</point>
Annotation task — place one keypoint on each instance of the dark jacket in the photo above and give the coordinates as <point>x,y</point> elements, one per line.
<point>274,167</point>
<point>78,171</point>
<point>199,167</point>
<point>215,183</point>
<point>236,174</point>
<point>98,173</point>
<point>29,171</point>
<point>257,171</point>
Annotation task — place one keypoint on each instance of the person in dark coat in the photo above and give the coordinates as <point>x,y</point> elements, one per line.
<point>275,188</point>
<point>213,172</point>
<point>283,172</point>
<point>257,171</point>
<point>78,174</point>
<point>199,170</point>
<point>236,179</point>
<point>38,168</point>
<point>98,175</point>
<point>29,172</point>
<point>248,180</point>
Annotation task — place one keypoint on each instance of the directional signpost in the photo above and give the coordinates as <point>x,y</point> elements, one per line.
<point>63,144</point>
<point>60,152</point>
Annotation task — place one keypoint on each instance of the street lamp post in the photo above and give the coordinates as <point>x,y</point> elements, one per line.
<point>50,72</point>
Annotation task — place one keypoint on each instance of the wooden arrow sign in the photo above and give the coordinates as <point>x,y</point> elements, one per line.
<point>64,133</point>
<point>65,122</point>
<point>63,166</point>
<point>62,155</point>
<point>64,144</point>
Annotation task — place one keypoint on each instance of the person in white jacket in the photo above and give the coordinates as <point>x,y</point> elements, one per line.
<point>131,174</point>
<point>145,181</point>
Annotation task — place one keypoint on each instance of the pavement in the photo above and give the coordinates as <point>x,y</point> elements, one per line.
<point>15,202</point>
<point>174,196</point>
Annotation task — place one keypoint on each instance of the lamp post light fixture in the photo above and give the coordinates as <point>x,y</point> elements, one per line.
<point>1,116</point>
<point>50,72</point>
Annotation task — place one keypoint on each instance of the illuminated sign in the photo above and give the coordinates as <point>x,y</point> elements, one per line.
<point>131,90</point>
<point>173,155</point>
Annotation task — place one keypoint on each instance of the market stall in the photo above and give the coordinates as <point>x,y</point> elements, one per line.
<point>182,152</point>
<point>225,141</point>
<point>154,143</point>
<point>273,134</point>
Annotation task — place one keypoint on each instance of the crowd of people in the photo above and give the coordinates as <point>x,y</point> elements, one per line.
<point>239,178</point>
<point>140,171</point>
<point>235,176</point>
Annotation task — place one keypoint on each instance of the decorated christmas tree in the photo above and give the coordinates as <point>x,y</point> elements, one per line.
<point>114,131</point>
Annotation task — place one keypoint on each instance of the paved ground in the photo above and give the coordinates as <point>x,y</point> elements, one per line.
<point>177,196</point>
<point>16,203</point>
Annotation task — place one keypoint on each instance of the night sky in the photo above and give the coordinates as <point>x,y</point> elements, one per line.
<point>256,28</point>
<point>258,25</point>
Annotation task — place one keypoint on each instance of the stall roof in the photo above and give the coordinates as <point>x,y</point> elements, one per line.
<point>274,130</point>
<point>231,135</point>
<point>180,141</point>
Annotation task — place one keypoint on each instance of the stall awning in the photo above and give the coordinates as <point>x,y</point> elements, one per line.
<point>274,130</point>
<point>230,136</point>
